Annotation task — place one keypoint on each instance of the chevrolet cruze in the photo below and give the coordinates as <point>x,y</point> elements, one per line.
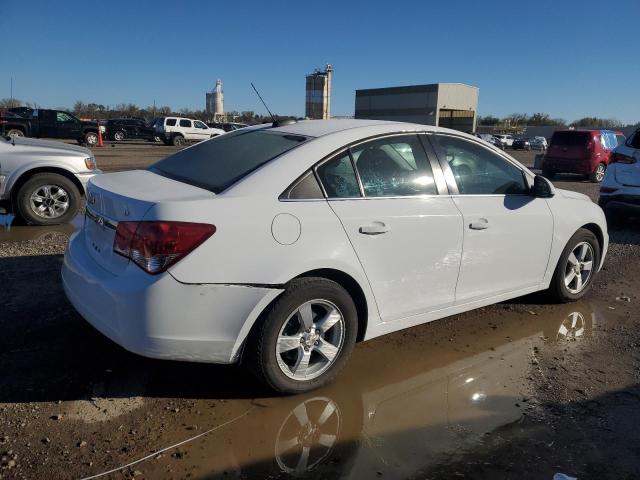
<point>280,246</point>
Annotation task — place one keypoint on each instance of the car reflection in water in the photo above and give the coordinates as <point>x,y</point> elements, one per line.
<point>401,404</point>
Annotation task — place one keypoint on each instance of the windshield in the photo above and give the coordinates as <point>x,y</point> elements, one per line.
<point>219,163</point>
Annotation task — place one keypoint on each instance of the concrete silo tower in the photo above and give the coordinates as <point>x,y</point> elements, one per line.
<point>218,100</point>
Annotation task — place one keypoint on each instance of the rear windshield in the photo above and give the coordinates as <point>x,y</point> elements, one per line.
<point>219,163</point>
<point>570,139</point>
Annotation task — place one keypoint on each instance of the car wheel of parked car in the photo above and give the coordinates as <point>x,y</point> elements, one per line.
<point>598,174</point>
<point>91,139</point>
<point>48,199</point>
<point>14,132</point>
<point>178,141</point>
<point>305,338</point>
<point>575,269</point>
<point>119,136</point>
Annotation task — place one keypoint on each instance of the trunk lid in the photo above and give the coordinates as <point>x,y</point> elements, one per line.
<point>126,196</point>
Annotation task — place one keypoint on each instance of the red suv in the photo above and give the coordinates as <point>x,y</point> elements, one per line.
<point>585,152</point>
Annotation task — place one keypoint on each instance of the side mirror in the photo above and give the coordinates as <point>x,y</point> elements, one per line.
<point>542,188</point>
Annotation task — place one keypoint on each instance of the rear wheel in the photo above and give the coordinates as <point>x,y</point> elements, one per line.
<point>178,141</point>
<point>576,267</point>
<point>305,338</point>
<point>48,199</point>
<point>91,139</point>
<point>598,174</point>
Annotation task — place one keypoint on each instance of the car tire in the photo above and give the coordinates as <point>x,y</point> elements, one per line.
<point>91,139</point>
<point>598,173</point>
<point>15,132</point>
<point>119,136</point>
<point>32,195</point>
<point>322,299</point>
<point>563,290</point>
<point>177,141</point>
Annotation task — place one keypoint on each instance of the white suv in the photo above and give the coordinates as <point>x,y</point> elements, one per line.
<point>507,140</point>
<point>177,131</point>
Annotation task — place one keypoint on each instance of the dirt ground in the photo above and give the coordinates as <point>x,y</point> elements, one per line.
<point>521,389</point>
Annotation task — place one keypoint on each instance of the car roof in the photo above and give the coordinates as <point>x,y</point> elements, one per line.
<point>320,128</point>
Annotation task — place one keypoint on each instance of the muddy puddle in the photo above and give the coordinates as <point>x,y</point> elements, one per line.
<point>12,231</point>
<point>403,402</point>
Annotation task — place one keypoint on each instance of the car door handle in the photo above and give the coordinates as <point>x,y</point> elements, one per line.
<point>480,224</point>
<point>374,228</point>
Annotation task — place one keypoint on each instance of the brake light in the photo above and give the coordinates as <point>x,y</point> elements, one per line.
<point>155,246</point>
<point>607,189</point>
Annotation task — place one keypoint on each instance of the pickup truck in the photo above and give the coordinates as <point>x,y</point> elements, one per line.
<point>41,123</point>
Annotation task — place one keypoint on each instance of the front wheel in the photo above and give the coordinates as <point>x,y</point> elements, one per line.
<point>576,267</point>
<point>14,132</point>
<point>305,338</point>
<point>118,136</point>
<point>598,174</point>
<point>48,199</point>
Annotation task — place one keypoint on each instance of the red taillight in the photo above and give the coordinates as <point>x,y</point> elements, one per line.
<point>155,246</point>
<point>607,189</point>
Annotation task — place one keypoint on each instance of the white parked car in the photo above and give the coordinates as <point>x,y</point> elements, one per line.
<point>507,140</point>
<point>43,181</point>
<point>620,188</point>
<point>177,130</point>
<point>282,245</point>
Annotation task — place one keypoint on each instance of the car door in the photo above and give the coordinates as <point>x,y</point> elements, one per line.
<point>67,126</point>
<point>201,129</point>
<point>507,231</point>
<point>187,130</point>
<point>407,237</point>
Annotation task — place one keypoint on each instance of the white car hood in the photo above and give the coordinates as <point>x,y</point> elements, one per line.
<point>36,144</point>
<point>573,195</point>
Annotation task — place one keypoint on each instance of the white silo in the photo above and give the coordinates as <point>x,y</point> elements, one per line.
<point>218,99</point>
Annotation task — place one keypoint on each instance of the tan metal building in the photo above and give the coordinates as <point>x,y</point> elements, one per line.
<point>318,94</point>
<point>450,105</point>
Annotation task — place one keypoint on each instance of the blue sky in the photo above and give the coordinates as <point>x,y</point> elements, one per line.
<point>564,57</point>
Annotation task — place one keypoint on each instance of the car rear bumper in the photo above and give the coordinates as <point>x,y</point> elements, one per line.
<point>157,316</point>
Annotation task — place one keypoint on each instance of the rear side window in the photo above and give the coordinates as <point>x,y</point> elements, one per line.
<point>570,139</point>
<point>620,139</point>
<point>305,188</point>
<point>219,163</point>
<point>338,177</point>
<point>171,122</point>
<point>185,123</point>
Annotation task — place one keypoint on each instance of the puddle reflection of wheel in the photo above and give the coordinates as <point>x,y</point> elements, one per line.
<point>307,435</point>
<point>572,327</point>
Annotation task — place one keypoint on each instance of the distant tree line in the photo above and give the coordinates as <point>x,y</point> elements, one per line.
<point>128,110</point>
<point>545,120</point>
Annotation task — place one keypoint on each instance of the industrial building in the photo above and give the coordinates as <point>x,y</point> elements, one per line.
<point>318,94</point>
<point>214,106</point>
<point>450,105</point>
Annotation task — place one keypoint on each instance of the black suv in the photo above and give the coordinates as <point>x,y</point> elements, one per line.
<point>227,126</point>
<point>120,128</point>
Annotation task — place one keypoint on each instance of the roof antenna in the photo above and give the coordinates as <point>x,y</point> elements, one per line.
<point>265,105</point>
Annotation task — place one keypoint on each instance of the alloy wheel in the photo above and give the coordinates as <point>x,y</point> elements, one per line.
<point>49,201</point>
<point>308,435</point>
<point>92,139</point>
<point>118,136</point>
<point>579,267</point>
<point>600,169</point>
<point>310,340</point>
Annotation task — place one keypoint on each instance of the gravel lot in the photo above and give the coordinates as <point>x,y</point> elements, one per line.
<point>517,390</point>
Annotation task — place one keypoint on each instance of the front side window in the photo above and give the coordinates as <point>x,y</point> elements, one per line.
<point>199,124</point>
<point>185,123</point>
<point>219,163</point>
<point>394,167</point>
<point>478,170</point>
<point>338,177</point>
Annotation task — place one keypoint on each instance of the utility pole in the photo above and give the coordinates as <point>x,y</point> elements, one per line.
<point>12,90</point>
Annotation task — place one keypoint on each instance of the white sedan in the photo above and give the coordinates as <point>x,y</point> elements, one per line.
<point>283,245</point>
